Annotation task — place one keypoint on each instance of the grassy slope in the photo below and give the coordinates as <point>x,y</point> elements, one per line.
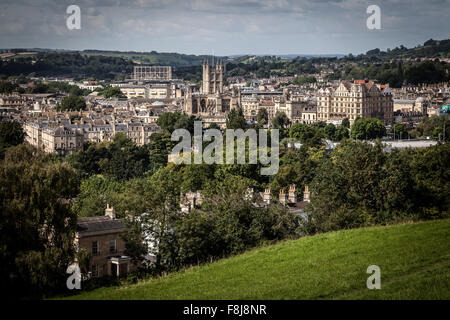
<point>414,261</point>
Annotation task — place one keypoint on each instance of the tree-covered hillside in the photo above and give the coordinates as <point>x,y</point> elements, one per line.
<point>430,49</point>
<point>67,64</point>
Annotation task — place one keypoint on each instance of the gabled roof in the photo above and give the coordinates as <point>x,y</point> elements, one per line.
<point>347,85</point>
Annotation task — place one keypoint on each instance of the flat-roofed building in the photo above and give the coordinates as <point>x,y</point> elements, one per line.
<point>146,73</point>
<point>147,91</point>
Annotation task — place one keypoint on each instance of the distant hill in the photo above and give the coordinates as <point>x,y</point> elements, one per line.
<point>118,65</point>
<point>151,58</point>
<point>414,260</point>
<point>155,58</point>
<point>430,49</point>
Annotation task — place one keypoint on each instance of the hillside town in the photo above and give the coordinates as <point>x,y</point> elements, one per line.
<point>149,94</point>
<point>214,150</point>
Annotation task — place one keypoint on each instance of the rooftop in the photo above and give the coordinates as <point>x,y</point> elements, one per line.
<point>100,223</point>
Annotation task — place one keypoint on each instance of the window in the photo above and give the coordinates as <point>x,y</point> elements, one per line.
<point>95,270</point>
<point>112,246</point>
<point>95,248</point>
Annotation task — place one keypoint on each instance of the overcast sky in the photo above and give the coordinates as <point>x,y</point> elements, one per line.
<point>224,27</point>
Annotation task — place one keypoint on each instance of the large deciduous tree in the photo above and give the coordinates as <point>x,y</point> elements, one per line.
<point>236,119</point>
<point>367,128</point>
<point>37,226</point>
<point>11,134</point>
<point>72,103</point>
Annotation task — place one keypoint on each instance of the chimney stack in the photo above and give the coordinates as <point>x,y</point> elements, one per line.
<point>267,198</point>
<point>249,194</point>
<point>109,212</point>
<point>306,195</point>
<point>292,194</point>
<point>283,197</point>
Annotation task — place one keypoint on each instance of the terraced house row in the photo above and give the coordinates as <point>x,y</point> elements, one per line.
<point>68,138</point>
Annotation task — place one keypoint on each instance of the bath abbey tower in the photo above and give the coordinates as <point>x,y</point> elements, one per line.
<point>212,100</point>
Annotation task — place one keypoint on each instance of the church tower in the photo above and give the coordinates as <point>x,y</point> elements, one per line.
<point>206,83</point>
<point>212,77</point>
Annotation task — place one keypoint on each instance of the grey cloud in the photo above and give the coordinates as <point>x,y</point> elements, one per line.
<point>227,26</point>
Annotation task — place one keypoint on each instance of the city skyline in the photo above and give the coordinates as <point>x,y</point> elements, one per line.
<point>225,27</point>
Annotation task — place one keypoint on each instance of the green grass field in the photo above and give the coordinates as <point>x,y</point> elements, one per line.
<point>414,261</point>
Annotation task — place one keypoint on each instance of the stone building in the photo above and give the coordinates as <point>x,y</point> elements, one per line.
<point>152,91</point>
<point>211,100</point>
<point>61,140</point>
<point>100,236</point>
<point>407,106</point>
<point>33,133</point>
<point>309,115</point>
<point>355,100</point>
<point>212,78</point>
<point>141,73</point>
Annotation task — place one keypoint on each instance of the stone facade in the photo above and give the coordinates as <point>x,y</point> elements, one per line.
<point>141,73</point>
<point>100,236</point>
<point>62,140</point>
<point>355,100</point>
<point>211,100</point>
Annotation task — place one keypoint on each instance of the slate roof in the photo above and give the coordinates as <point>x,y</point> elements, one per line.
<point>92,224</point>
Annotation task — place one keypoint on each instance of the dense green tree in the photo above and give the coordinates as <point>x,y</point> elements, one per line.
<point>297,166</point>
<point>7,87</point>
<point>11,133</point>
<point>367,128</point>
<point>346,186</point>
<point>196,176</point>
<point>301,80</point>
<point>330,132</point>
<point>127,160</point>
<point>95,193</point>
<point>87,161</point>
<point>37,225</point>
<point>433,127</point>
<point>345,122</point>
<point>113,92</point>
<point>72,103</point>
<point>186,122</point>
<point>153,204</point>
<point>214,126</point>
<point>398,130</point>
<point>431,175</point>
<point>308,135</point>
<point>236,120</point>
<point>262,116</point>
<point>280,121</point>
<point>169,121</point>
<point>62,64</point>
<point>229,225</point>
<point>362,185</point>
<point>342,132</point>
<point>120,159</point>
<point>159,148</point>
